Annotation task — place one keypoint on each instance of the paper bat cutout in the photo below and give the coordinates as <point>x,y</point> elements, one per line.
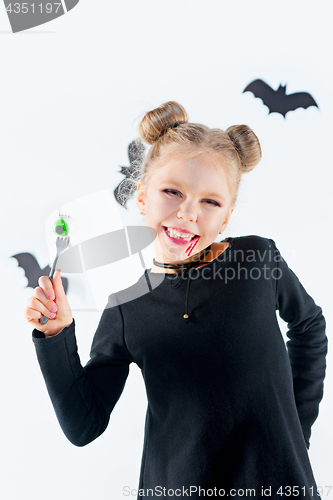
<point>32,270</point>
<point>136,156</point>
<point>278,101</point>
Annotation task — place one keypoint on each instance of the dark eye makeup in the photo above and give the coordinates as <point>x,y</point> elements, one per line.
<point>210,202</point>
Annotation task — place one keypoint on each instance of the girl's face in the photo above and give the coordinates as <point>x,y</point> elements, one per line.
<point>189,196</point>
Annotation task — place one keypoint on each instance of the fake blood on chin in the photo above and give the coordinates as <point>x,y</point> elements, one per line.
<point>178,241</point>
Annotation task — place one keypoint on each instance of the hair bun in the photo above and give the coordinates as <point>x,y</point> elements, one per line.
<point>157,122</point>
<point>247,145</point>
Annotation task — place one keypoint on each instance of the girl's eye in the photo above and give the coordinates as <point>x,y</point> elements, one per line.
<point>210,202</point>
<point>171,191</point>
<point>213,202</point>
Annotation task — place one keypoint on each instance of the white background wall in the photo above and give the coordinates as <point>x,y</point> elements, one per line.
<point>71,94</point>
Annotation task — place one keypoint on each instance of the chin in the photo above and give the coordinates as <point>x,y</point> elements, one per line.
<point>179,252</point>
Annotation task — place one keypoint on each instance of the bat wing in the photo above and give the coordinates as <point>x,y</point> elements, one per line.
<point>136,152</point>
<point>261,89</point>
<point>31,268</point>
<point>300,100</point>
<point>136,156</point>
<point>33,271</point>
<point>124,190</point>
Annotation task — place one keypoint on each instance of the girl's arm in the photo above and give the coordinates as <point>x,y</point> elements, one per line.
<point>307,347</point>
<point>84,397</point>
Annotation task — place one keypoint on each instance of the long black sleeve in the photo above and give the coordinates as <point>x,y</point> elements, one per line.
<point>307,347</point>
<point>84,397</point>
<point>230,405</point>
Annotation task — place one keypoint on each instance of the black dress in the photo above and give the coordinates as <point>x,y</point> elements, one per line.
<point>230,408</point>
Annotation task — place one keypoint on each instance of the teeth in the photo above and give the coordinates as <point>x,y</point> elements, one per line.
<point>176,234</point>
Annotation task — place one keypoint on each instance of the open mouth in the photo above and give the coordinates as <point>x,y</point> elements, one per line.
<point>184,239</point>
<point>179,235</point>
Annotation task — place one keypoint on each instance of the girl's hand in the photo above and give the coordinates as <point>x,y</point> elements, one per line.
<point>49,299</point>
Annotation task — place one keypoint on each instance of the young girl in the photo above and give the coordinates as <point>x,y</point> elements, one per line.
<point>230,409</point>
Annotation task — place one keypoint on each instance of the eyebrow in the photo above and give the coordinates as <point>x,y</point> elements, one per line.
<point>171,181</point>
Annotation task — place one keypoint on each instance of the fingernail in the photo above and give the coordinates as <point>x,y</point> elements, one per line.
<point>52,315</point>
<point>51,297</point>
<point>54,308</point>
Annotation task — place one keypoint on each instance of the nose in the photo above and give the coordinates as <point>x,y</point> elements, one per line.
<point>187,211</point>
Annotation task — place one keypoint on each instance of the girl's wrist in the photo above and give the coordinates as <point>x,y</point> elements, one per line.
<point>54,334</point>
<point>48,336</point>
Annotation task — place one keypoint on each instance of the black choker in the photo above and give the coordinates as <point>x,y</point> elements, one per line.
<point>183,266</point>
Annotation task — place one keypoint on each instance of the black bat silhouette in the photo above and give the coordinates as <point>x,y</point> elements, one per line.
<point>32,270</point>
<point>278,101</point>
<point>136,156</point>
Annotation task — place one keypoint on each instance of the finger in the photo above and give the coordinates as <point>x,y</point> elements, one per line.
<point>58,286</point>
<point>45,283</point>
<point>36,305</point>
<point>31,314</point>
<point>40,295</point>
<point>36,324</point>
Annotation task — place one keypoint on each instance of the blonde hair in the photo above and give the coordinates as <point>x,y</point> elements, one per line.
<point>167,129</point>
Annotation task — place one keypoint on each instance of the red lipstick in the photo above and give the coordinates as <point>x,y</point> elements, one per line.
<point>190,244</point>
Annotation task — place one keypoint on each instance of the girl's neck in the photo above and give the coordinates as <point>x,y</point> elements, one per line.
<point>215,250</point>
